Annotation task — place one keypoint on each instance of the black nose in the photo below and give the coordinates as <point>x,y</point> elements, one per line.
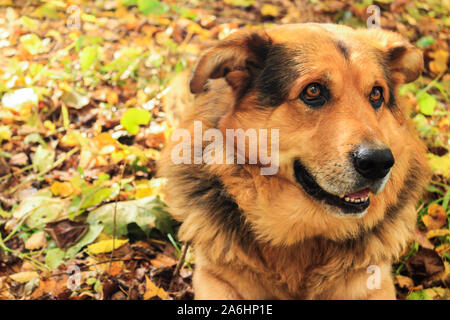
<point>373,163</point>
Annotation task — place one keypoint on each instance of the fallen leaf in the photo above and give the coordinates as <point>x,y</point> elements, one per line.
<point>270,10</point>
<point>163,260</point>
<point>105,246</point>
<point>66,232</point>
<point>133,117</point>
<point>424,263</point>
<point>24,276</point>
<point>443,248</point>
<point>36,241</point>
<point>435,218</point>
<point>63,189</point>
<point>429,294</point>
<point>438,233</point>
<point>422,239</point>
<point>5,133</point>
<point>43,158</point>
<point>439,64</point>
<point>404,282</point>
<point>151,290</point>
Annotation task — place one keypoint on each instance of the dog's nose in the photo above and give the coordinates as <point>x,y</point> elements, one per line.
<point>373,163</point>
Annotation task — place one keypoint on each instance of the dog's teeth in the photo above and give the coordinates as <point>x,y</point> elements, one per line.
<point>358,200</point>
<point>347,199</point>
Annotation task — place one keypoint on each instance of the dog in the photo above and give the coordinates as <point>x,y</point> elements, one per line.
<point>341,207</point>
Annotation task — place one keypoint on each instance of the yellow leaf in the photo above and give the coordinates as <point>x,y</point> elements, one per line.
<point>117,156</point>
<point>24,276</point>
<point>32,43</point>
<point>5,133</point>
<point>151,290</point>
<point>105,246</point>
<point>69,140</point>
<point>438,233</point>
<point>439,64</point>
<point>440,165</point>
<point>435,218</point>
<point>63,189</point>
<point>270,10</point>
<point>143,192</point>
<point>112,97</point>
<point>50,126</point>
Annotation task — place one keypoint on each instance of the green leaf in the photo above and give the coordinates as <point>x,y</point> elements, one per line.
<point>88,57</point>
<point>128,3</point>
<point>31,42</point>
<point>152,7</point>
<point>54,258</point>
<point>90,236</point>
<point>96,198</point>
<point>147,213</point>
<point>426,103</point>
<point>47,10</point>
<point>133,117</point>
<point>425,42</point>
<point>41,209</point>
<point>418,295</point>
<point>43,158</point>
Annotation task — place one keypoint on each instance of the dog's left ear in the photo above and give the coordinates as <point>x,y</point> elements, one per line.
<point>236,58</point>
<point>404,60</point>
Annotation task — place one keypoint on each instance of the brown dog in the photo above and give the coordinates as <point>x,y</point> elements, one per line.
<point>341,207</point>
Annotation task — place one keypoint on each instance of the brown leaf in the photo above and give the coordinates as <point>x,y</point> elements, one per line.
<point>424,263</point>
<point>423,241</point>
<point>163,260</point>
<point>36,241</point>
<point>19,159</point>
<point>66,232</point>
<point>404,282</point>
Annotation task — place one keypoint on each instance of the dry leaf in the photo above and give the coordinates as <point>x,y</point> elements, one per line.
<point>63,189</point>
<point>151,290</point>
<point>404,282</point>
<point>105,246</point>
<point>435,218</point>
<point>66,232</point>
<point>163,260</point>
<point>438,233</point>
<point>439,64</point>
<point>424,263</point>
<point>36,241</point>
<point>270,10</point>
<point>24,276</point>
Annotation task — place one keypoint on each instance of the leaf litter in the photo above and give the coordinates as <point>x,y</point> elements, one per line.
<point>82,215</point>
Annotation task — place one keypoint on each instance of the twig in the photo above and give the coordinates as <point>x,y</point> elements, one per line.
<point>114,219</point>
<point>181,259</point>
<point>16,172</point>
<point>40,174</point>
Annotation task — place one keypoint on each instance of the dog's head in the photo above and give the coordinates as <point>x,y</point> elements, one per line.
<point>330,90</point>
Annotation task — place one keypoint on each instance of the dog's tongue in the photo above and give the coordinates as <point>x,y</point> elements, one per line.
<point>359,194</point>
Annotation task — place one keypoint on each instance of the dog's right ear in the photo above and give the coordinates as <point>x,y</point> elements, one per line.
<point>235,58</point>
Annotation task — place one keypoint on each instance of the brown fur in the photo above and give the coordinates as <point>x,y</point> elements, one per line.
<point>263,237</point>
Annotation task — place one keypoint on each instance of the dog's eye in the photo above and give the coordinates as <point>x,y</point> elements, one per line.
<point>314,95</point>
<point>376,97</point>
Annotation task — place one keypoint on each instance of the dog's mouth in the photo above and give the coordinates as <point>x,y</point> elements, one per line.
<point>352,203</point>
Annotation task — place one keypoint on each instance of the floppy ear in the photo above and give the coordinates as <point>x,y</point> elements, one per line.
<point>236,58</point>
<point>403,59</point>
